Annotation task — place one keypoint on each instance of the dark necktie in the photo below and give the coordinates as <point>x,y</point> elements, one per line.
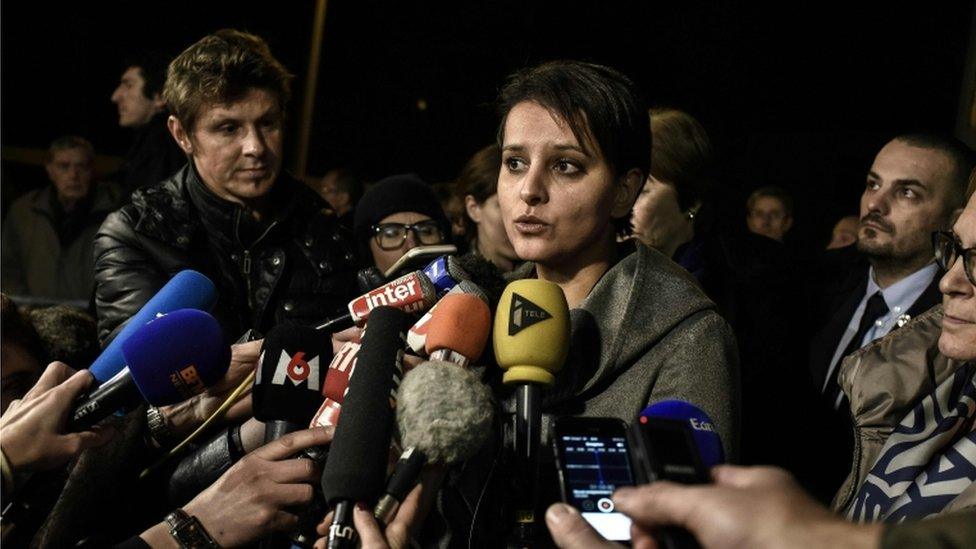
<point>875,309</point>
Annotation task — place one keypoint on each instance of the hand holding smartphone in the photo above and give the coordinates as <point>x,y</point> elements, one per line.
<point>595,456</point>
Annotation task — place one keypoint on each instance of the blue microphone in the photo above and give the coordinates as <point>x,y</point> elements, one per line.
<point>707,441</point>
<point>445,273</point>
<point>187,290</point>
<point>168,360</point>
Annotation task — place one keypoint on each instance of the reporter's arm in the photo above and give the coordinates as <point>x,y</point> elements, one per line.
<point>253,497</point>
<point>759,507</point>
<point>33,429</point>
<point>183,418</point>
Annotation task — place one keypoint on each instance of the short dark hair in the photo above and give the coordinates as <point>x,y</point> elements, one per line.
<point>602,107</point>
<point>221,68</point>
<point>152,67</point>
<point>959,155</point>
<point>771,191</point>
<point>479,178</point>
<point>681,155</point>
<point>68,142</point>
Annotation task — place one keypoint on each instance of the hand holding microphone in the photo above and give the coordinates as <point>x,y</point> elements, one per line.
<point>255,496</point>
<point>32,429</point>
<point>170,359</point>
<point>183,417</point>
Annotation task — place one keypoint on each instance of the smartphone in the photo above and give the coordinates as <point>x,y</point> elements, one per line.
<point>593,459</point>
<point>665,449</point>
<point>417,257</point>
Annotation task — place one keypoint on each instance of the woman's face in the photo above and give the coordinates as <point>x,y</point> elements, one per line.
<point>556,199</point>
<point>657,219</point>
<point>384,259</point>
<point>493,242</point>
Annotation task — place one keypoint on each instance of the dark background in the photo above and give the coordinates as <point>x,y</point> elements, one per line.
<point>800,96</point>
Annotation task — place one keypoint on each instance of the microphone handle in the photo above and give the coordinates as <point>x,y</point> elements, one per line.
<point>403,480</point>
<point>528,420</point>
<point>120,392</point>
<point>342,535</point>
<point>304,535</point>
<point>277,428</point>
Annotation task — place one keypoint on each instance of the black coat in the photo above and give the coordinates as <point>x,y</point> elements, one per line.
<point>152,157</point>
<point>296,267</point>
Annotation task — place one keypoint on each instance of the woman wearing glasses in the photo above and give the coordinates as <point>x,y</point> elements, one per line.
<point>396,214</point>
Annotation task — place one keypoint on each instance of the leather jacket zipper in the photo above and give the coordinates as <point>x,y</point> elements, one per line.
<point>246,258</point>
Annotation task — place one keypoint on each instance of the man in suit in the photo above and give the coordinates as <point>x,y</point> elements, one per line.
<point>915,186</point>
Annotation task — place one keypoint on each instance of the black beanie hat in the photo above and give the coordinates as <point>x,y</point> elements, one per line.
<point>396,193</point>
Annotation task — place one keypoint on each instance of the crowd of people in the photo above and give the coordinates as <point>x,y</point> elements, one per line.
<point>843,389</point>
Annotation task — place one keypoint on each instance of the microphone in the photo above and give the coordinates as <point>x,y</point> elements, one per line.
<point>336,385</point>
<point>369,278</point>
<point>531,338</point>
<point>701,426</point>
<point>444,273</point>
<point>170,359</point>
<point>187,290</point>
<point>458,329</point>
<point>447,425</point>
<point>289,383</point>
<point>356,468</point>
<point>411,293</point>
<point>417,335</point>
<point>486,275</point>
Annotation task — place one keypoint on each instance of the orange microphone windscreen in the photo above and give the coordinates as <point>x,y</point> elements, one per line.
<point>460,323</point>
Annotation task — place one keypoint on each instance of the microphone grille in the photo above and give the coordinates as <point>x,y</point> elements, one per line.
<point>444,411</point>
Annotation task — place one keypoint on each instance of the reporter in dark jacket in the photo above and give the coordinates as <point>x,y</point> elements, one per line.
<point>231,213</point>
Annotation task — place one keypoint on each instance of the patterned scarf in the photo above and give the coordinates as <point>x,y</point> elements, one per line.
<point>928,460</point>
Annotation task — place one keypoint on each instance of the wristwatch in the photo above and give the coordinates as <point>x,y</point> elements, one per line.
<point>188,532</point>
<point>159,433</point>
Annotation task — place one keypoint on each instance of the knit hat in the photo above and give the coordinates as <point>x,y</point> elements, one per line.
<point>396,193</point>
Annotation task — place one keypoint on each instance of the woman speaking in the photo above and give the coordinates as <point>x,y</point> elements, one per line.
<point>575,142</point>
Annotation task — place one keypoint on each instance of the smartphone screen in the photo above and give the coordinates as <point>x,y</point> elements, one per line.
<point>593,464</point>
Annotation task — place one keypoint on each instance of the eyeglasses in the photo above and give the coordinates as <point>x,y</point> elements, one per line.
<point>390,236</point>
<point>948,250</point>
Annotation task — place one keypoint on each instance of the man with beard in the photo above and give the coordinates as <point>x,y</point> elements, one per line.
<point>915,186</point>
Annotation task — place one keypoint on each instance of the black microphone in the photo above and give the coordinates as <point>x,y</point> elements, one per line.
<point>356,468</point>
<point>288,385</point>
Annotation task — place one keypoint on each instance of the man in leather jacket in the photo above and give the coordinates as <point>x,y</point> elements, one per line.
<point>263,238</point>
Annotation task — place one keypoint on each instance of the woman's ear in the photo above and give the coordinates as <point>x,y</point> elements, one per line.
<point>626,193</point>
<point>179,133</point>
<point>473,208</point>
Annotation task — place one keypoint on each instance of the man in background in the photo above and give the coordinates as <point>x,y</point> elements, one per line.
<point>153,155</point>
<point>769,212</point>
<point>48,233</point>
